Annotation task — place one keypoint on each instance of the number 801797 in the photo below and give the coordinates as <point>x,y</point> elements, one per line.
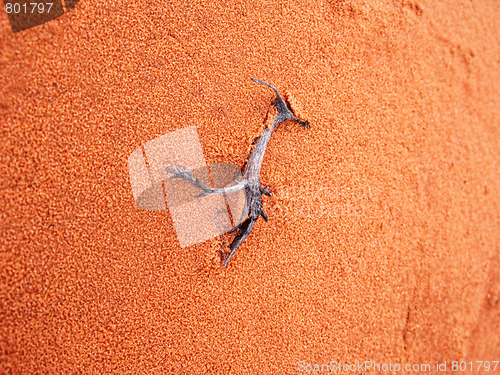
<point>28,7</point>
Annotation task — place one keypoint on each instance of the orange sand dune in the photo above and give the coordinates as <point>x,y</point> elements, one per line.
<point>383,237</point>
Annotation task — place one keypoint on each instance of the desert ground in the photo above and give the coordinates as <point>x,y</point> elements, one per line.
<point>382,244</point>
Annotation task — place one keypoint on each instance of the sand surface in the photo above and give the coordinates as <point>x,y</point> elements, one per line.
<point>384,229</point>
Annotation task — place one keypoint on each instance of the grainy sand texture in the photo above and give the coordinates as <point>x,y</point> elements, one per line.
<point>383,237</point>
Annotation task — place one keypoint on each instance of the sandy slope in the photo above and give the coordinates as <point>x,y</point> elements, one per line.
<point>384,230</point>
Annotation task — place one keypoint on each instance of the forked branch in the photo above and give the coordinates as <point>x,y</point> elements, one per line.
<point>251,177</point>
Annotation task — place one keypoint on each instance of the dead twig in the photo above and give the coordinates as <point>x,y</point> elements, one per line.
<point>250,181</point>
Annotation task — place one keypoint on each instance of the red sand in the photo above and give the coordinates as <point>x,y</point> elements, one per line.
<point>383,235</point>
